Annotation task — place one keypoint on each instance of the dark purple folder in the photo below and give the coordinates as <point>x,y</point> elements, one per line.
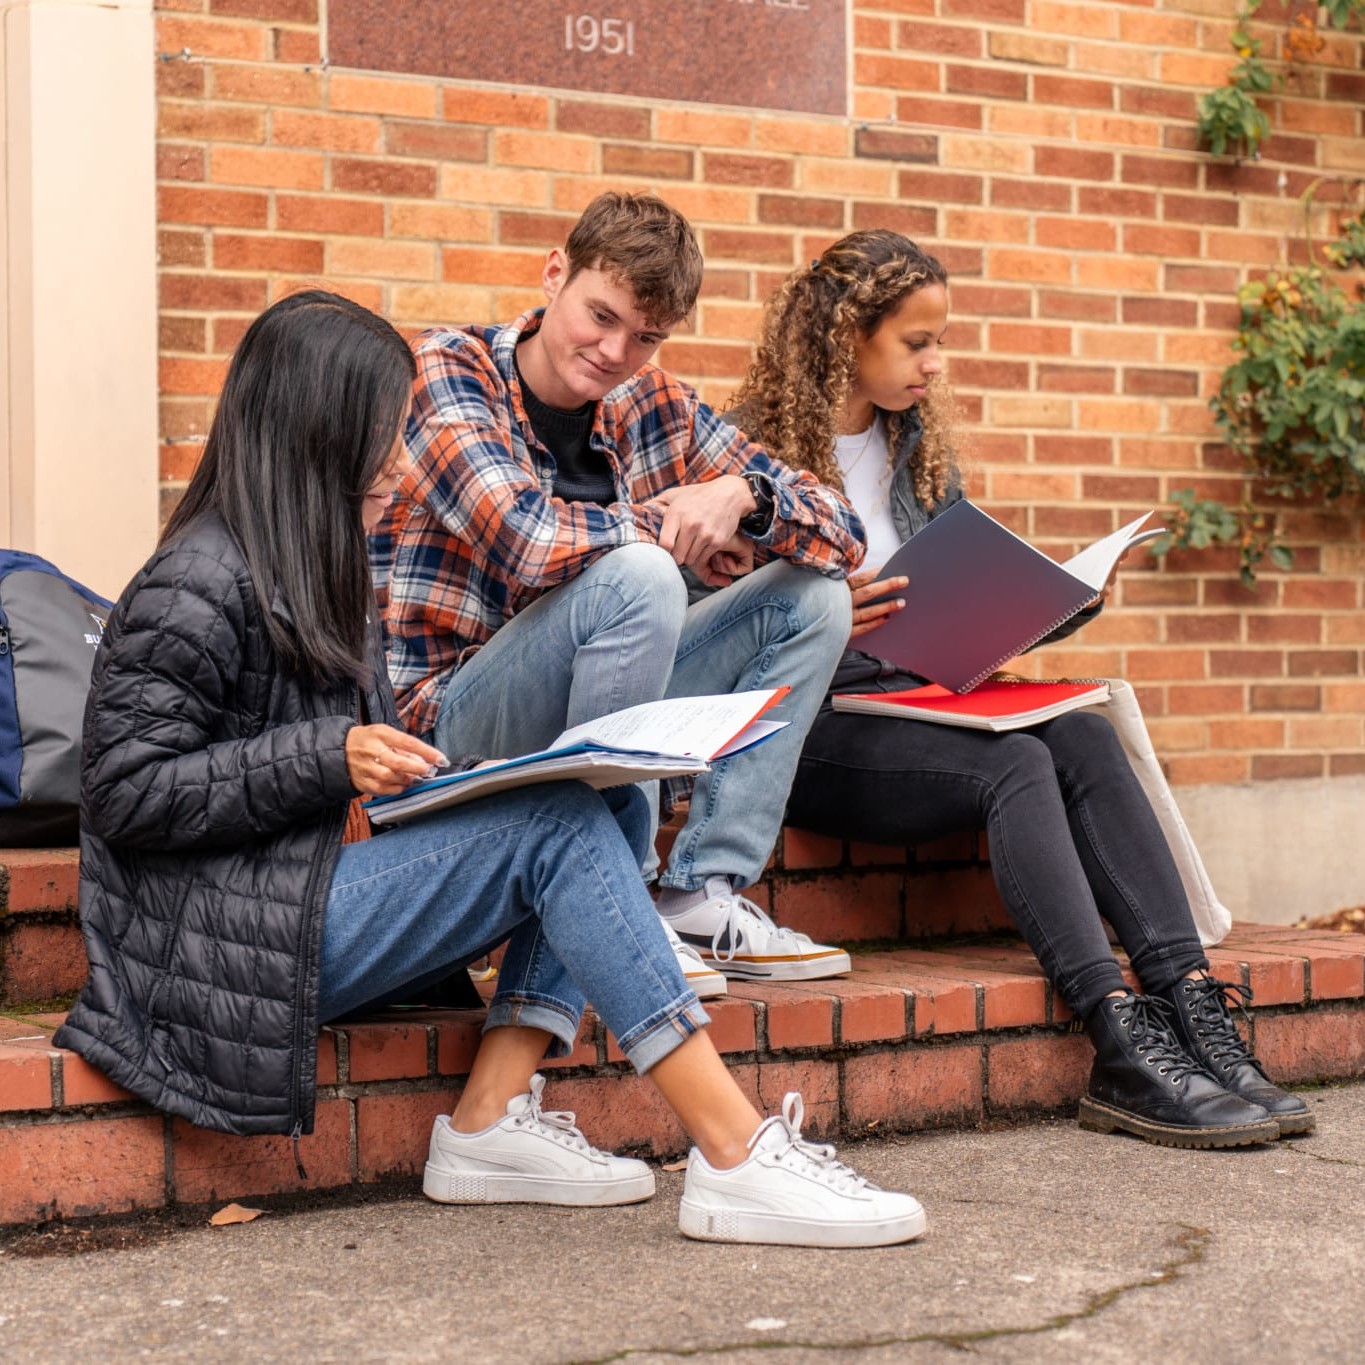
<point>978,595</point>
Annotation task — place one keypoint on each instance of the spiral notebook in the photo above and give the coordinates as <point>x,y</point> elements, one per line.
<point>979,595</point>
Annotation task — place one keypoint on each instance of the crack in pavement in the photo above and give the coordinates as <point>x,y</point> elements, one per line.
<point>1326,1160</point>
<point>1190,1243</point>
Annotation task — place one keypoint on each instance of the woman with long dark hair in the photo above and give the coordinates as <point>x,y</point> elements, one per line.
<point>238,704</point>
<point>847,382</point>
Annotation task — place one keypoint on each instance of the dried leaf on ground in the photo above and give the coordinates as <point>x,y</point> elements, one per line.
<point>234,1213</point>
<point>674,1165</point>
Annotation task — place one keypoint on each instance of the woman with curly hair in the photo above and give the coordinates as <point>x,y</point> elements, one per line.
<point>847,382</point>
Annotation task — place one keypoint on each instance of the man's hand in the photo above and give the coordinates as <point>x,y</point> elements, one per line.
<point>1109,582</point>
<point>382,761</point>
<point>865,585</point>
<point>733,560</point>
<point>701,519</point>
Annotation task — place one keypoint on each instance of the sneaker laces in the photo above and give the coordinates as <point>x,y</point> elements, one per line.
<point>814,1158</point>
<point>1213,1002</point>
<point>1151,1026</point>
<point>557,1124</point>
<point>735,909</point>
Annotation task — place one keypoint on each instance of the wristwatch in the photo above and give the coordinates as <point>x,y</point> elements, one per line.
<point>759,521</point>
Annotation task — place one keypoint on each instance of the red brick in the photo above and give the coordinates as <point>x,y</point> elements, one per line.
<point>393,1132</point>
<point>386,1052</point>
<point>73,1170</point>
<point>1274,767</point>
<point>25,1076</point>
<point>83,1084</point>
<point>297,255</point>
<point>1274,978</point>
<point>1044,1072</point>
<point>1015,1002</point>
<point>330,214</point>
<point>602,120</point>
<point>457,1040</point>
<point>1317,663</point>
<point>738,168</point>
<point>208,1166</point>
<point>737,244</point>
<point>926,1087</point>
<point>960,900</point>
<point>986,80</point>
<point>1177,172</point>
<point>1073,163</point>
<point>213,292</point>
<point>934,187</point>
<point>877,855</point>
<point>904,218</point>
<point>800,210</point>
<point>1029,194</point>
<point>1335,975</point>
<point>943,1003</point>
<point>816,1081</point>
<point>794,1018</point>
<point>843,907</point>
<point>1072,91</point>
<point>622,1112</point>
<point>1325,1045</point>
<point>41,960</point>
<point>669,163</point>
<point>802,849</point>
<point>894,144</point>
<point>442,142</point>
<point>211,207</point>
<point>396,179</point>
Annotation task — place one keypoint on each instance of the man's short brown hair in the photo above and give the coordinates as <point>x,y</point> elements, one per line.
<point>645,244</point>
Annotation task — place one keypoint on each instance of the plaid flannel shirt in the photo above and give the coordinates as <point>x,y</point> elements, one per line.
<point>476,534</point>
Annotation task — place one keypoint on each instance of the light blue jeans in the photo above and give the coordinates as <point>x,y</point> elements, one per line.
<point>623,632</point>
<point>553,870</point>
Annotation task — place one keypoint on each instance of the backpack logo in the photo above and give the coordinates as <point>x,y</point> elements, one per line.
<point>92,638</point>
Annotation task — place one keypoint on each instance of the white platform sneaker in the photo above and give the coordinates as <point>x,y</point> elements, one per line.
<point>792,1192</point>
<point>530,1156</point>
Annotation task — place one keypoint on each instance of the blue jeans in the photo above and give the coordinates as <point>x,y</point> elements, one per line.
<point>623,632</point>
<point>547,869</point>
<point>1073,839</point>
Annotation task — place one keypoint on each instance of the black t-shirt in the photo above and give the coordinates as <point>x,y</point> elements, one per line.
<point>582,474</point>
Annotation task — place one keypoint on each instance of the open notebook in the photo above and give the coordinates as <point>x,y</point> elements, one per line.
<point>979,595</point>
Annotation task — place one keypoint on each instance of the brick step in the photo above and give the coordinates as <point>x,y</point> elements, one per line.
<point>830,889</point>
<point>42,958</point>
<point>917,1037</point>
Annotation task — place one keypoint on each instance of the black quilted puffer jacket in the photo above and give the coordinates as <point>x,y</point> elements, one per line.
<point>214,793</point>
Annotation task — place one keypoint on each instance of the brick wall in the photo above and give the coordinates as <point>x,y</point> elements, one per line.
<point>1045,150</point>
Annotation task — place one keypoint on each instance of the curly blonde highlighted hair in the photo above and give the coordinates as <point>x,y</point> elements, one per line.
<point>805,365</point>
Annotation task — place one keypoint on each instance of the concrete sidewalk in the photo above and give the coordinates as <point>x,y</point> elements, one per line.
<point>1044,1241</point>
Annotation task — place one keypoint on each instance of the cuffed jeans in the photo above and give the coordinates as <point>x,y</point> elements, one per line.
<point>622,632</point>
<point>553,870</point>
<point>1072,836</point>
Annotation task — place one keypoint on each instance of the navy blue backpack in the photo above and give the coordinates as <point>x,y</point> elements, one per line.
<point>50,627</point>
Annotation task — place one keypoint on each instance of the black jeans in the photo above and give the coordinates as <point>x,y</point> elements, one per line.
<point>1072,836</point>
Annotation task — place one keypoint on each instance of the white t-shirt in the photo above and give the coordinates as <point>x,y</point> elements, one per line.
<point>865,462</point>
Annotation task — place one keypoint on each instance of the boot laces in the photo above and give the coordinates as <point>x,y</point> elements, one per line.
<point>816,1159</point>
<point>1150,1022</point>
<point>1213,1002</point>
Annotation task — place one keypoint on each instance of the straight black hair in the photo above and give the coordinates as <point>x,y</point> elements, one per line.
<point>310,408</point>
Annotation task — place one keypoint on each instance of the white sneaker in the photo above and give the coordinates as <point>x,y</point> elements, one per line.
<point>794,1193</point>
<point>531,1156</point>
<point>732,935</point>
<point>706,981</point>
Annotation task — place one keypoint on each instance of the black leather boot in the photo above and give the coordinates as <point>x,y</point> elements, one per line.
<point>1205,1027</point>
<point>1144,1083</point>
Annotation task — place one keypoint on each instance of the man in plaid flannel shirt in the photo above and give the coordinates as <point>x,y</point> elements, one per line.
<point>580,533</point>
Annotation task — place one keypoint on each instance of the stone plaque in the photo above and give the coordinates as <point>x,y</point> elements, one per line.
<point>772,54</point>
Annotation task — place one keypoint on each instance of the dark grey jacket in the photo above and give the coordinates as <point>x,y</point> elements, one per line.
<point>213,796</point>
